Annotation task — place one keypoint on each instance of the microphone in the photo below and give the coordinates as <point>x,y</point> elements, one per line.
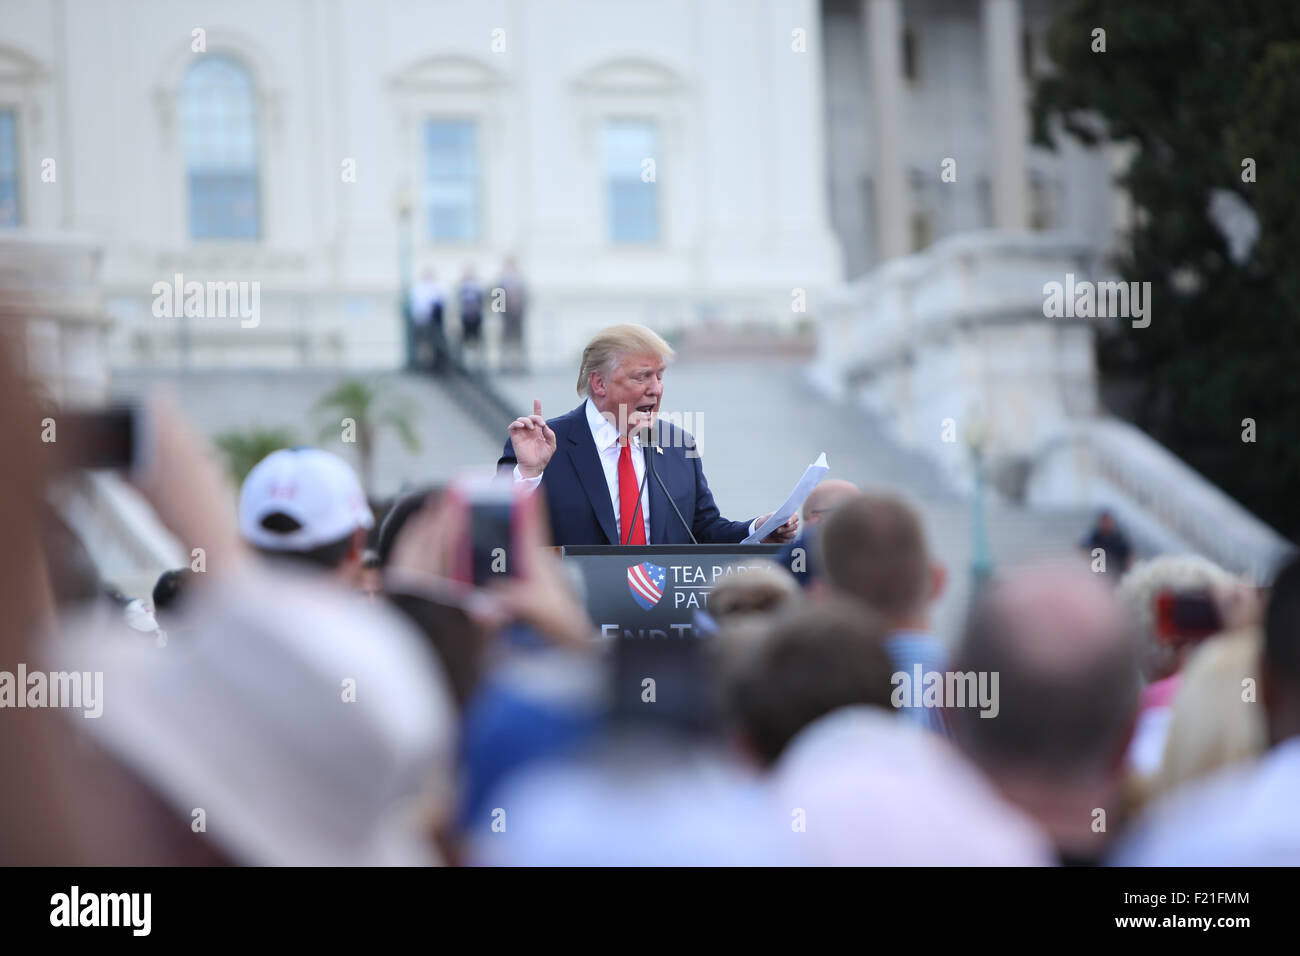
<point>650,464</point>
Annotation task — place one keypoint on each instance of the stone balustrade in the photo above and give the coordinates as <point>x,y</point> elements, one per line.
<point>952,350</point>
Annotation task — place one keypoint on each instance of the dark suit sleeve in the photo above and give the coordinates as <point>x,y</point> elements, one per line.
<point>507,461</point>
<point>709,525</point>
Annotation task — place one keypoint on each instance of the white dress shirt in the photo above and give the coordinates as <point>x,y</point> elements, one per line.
<point>424,294</point>
<point>605,436</point>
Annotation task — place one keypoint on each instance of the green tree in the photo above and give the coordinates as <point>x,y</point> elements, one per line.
<point>371,408</point>
<point>245,449</point>
<point>1196,87</point>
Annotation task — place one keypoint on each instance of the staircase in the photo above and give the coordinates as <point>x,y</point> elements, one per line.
<point>957,341</point>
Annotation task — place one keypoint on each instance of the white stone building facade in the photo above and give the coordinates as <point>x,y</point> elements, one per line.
<point>323,148</point>
<point>732,218</point>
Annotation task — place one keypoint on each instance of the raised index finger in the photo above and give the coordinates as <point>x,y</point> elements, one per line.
<point>537,406</point>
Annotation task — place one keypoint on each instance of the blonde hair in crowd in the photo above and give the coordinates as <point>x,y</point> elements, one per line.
<point>1212,727</point>
<point>608,345</point>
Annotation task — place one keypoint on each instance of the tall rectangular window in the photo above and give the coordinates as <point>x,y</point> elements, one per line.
<point>631,192</point>
<point>451,180</point>
<point>9,212</point>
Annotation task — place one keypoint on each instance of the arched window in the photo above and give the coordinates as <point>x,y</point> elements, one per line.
<point>220,128</point>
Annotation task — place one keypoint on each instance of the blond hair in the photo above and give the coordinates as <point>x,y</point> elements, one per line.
<point>610,344</point>
<point>1213,724</point>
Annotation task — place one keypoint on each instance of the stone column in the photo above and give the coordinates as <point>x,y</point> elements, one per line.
<point>1008,127</point>
<point>883,22</point>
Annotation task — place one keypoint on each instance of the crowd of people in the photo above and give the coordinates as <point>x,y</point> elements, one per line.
<point>322,689</point>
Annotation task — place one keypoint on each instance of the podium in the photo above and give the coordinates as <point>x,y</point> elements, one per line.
<point>654,590</point>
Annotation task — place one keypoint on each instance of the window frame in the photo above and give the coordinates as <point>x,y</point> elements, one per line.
<point>655,124</point>
<point>258,174</point>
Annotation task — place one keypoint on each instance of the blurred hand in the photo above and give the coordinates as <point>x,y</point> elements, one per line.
<point>545,599</point>
<point>1240,606</point>
<point>542,595</point>
<point>533,442</point>
<point>782,535</point>
<point>425,544</point>
<point>184,482</point>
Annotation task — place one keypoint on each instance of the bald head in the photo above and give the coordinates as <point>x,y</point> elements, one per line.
<point>1067,660</point>
<point>1056,620</point>
<point>825,497</point>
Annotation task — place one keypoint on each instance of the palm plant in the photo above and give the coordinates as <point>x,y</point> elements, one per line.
<point>245,449</point>
<point>372,408</point>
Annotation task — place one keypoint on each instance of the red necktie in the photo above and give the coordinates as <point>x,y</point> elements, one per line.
<point>627,500</point>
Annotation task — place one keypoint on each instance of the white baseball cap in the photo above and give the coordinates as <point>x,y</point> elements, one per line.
<point>250,717</point>
<point>314,488</point>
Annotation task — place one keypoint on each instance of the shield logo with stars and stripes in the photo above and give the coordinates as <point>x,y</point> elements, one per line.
<point>646,582</point>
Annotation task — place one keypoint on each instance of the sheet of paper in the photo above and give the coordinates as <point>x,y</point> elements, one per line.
<point>811,476</point>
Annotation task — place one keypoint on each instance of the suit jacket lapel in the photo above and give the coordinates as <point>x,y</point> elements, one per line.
<point>586,462</point>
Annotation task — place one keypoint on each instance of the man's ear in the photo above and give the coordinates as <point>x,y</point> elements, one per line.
<point>596,384</point>
<point>938,580</point>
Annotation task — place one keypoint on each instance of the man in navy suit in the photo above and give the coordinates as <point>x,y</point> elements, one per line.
<point>593,459</point>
